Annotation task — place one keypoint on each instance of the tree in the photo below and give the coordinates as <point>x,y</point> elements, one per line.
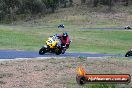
<point>95,3</point>
<point>2,9</point>
<point>83,1</point>
<point>51,4</point>
<point>110,4</point>
<point>71,2</point>
<point>126,2</point>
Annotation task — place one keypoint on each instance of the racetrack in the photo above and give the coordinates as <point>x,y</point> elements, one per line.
<point>114,28</point>
<point>13,54</point>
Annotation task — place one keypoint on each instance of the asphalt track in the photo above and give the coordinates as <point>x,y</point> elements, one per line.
<point>114,28</point>
<point>13,54</point>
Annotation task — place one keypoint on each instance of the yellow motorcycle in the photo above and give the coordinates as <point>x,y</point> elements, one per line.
<point>53,45</point>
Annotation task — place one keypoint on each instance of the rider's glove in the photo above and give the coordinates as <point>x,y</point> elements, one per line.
<point>67,45</point>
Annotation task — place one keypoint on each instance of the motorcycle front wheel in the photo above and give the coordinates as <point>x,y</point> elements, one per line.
<point>42,51</point>
<point>128,54</point>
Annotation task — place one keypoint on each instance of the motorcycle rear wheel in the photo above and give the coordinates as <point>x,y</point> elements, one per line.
<point>58,51</point>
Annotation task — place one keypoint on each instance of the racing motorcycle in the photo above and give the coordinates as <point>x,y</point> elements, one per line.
<point>129,53</point>
<point>53,45</point>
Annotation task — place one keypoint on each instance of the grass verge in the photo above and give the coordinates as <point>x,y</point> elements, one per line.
<point>99,41</point>
<point>61,73</point>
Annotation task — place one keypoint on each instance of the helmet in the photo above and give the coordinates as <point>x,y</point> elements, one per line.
<point>64,35</point>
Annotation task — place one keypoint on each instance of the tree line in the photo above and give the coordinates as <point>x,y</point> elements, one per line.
<point>107,2</point>
<point>10,9</point>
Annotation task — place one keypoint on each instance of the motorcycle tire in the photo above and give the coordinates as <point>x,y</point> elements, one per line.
<point>58,51</point>
<point>42,51</point>
<point>128,54</point>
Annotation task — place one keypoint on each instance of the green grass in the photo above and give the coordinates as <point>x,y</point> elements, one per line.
<point>31,35</point>
<point>102,41</point>
<point>99,41</point>
<point>18,40</point>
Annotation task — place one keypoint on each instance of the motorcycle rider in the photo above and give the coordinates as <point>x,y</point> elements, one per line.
<point>65,40</point>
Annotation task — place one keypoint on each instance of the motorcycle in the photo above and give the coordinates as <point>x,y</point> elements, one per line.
<point>53,45</point>
<point>129,53</point>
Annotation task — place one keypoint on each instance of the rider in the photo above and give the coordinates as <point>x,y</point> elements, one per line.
<point>65,40</point>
